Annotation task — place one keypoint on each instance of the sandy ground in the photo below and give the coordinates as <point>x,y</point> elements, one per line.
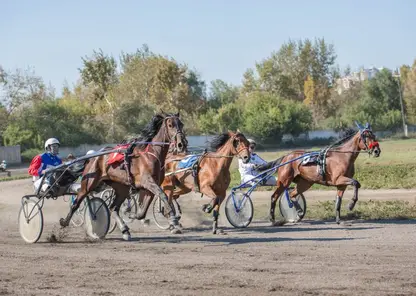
<point>309,258</point>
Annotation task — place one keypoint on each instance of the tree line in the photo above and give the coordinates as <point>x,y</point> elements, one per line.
<point>291,91</point>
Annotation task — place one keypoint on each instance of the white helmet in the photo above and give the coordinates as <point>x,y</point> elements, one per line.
<point>90,152</point>
<point>52,141</point>
<point>251,141</point>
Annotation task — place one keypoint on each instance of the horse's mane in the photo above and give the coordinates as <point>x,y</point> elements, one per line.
<point>149,131</point>
<point>219,141</point>
<point>345,135</point>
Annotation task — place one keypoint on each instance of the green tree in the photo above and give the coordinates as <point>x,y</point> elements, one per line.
<point>99,72</point>
<point>409,93</point>
<point>222,93</point>
<point>269,117</point>
<point>284,74</point>
<point>376,101</point>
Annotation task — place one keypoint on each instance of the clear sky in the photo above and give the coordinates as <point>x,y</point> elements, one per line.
<point>220,39</point>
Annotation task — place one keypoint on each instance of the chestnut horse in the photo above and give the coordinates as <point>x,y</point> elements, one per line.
<point>337,170</point>
<point>143,168</point>
<point>213,172</point>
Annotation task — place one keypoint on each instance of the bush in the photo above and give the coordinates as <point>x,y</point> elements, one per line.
<point>28,155</point>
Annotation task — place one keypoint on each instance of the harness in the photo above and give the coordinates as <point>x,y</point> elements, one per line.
<point>195,168</point>
<point>128,155</point>
<point>321,161</point>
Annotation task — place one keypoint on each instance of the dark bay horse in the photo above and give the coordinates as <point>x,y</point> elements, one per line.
<point>144,169</point>
<point>212,175</point>
<point>338,169</point>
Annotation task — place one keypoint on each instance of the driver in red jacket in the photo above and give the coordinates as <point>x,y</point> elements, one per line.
<point>45,161</point>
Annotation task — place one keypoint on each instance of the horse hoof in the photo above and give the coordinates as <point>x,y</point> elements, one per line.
<point>351,207</point>
<point>338,221</point>
<point>279,223</point>
<point>127,236</point>
<point>220,231</point>
<point>63,222</point>
<point>176,231</point>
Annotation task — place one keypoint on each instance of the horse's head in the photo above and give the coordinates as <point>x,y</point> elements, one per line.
<point>240,146</point>
<point>174,131</point>
<point>367,140</point>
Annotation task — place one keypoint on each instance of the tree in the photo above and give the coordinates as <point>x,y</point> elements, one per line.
<point>222,94</point>
<point>268,117</point>
<point>100,73</point>
<point>376,101</point>
<point>22,88</point>
<point>409,93</point>
<point>284,74</point>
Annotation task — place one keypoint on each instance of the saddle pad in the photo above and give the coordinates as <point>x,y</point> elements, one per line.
<point>310,159</point>
<point>187,162</point>
<point>116,157</point>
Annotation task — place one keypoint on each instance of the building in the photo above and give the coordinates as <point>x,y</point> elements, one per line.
<point>363,74</point>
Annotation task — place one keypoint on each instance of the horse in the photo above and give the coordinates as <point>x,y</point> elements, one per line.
<point>336,165</point>
<point>210,174</point>
<point>142,169</point>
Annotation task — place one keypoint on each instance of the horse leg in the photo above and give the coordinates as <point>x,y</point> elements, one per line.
<point>301,186</point>
<point>275,196</point>
<point>215,214</point>
<point>121,192</point>
<point>87,185</point>
<point>338,202</point>
<point>149,184</point>
<point>345,181</point>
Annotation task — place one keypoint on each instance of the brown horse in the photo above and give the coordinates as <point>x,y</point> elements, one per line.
<point>142,169</point>
<point>337,169</point>
<point>212,174</point>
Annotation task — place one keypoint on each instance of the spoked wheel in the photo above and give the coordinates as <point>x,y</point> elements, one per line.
<point>108,196</point>
<point>30,221</point>
<point>158,209</point>
<point>96,218</point>
<point>287,208</point>
<point>239,209</point>
<point>77,219</point>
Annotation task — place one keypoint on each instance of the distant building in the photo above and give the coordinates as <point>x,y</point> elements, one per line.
<point>364,74</point>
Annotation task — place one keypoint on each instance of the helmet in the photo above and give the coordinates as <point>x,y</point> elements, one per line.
<point>90,152</point>
<point>251,141</point>
<point>50,142</point>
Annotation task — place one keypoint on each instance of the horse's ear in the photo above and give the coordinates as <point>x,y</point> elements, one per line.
<point>238,131</point>
<point>230,133</point>
<point>177,115</point>
<point>360,127</point>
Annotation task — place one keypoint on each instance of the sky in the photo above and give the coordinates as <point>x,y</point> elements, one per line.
<point>220,39</point>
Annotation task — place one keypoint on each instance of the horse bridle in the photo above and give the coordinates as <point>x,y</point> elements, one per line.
<point>234,138</point>
<point>172,140</point>
<point>369,148</point>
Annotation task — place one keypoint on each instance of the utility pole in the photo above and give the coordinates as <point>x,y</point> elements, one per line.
<point>397,75</point>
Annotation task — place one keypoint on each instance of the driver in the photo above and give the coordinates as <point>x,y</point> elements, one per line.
<point>248,171</point>
<point>44,161</point>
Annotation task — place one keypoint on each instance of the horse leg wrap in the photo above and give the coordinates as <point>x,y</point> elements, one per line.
<point>215,215</point>
<point>272,209</point>
<point>338,208</point>
<point>297,207</point>
<point>354,199</point>
<point>125,229</point>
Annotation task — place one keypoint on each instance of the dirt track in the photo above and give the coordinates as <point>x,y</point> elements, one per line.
<point>310,258</point>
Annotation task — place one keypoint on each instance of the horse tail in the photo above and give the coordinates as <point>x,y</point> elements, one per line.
<point>270,164</point>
